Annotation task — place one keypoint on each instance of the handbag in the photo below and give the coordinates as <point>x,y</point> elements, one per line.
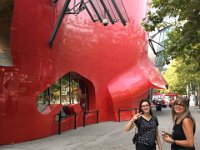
<point>135,137</point>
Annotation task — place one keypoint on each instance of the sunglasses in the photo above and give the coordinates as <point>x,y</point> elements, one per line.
<point>179,104</point>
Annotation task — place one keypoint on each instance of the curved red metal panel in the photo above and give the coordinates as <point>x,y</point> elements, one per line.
<point>153,75</point>
<point>135,83</point>
<point>90,49</point>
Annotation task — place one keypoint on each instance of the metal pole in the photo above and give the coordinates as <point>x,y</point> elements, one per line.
<point>119,13</point>
<point>58,23</point>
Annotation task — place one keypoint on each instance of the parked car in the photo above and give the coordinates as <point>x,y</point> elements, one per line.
<point>164,103</point>
<point>158,103</point>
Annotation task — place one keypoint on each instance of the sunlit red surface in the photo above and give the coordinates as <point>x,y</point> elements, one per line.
<point>113,58</point>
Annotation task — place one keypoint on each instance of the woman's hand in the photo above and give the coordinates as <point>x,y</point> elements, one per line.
<point>130,124</point>
<point>136,116</point>
<point>167,138</point>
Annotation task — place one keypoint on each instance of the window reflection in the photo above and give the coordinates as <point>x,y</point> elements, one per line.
<point>43,100</point>
<point>70,89</point>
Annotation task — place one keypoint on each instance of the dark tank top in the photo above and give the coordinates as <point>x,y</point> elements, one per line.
<point>178,134</point>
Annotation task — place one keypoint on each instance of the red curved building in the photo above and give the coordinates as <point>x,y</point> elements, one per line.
<point>85,74</point>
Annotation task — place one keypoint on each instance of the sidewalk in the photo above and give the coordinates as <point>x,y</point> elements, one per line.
<point>102,136</point>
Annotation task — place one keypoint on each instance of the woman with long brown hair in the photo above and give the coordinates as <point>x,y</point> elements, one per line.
<point>147,125</point>
<point>182,137</point>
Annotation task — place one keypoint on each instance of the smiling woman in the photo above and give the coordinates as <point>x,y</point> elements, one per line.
<point>6,12</point>
<point>184,126</point>
<point>147,125</point>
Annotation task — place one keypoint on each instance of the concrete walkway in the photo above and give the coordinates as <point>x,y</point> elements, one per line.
<point>102,136</point>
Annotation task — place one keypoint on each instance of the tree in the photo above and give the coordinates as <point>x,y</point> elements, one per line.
<point>182,79</point>
<point>172,78</point>
<point>180,76</point>
<point>183,18</point>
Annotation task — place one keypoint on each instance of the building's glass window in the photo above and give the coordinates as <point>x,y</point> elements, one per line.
<point>55,93</point>
<point>43,100</point>
<point>6,13</point>
<point>70,89</point>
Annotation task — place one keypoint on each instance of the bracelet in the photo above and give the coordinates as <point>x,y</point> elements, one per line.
<point>132,121</point>
<point>174,141</point>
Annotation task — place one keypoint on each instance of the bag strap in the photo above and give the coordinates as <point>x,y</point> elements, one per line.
<point>136,129</point>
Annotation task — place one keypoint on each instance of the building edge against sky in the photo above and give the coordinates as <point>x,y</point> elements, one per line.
<point>89,68</point>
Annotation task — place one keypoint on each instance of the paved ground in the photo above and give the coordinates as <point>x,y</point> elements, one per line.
<point>102,136</point>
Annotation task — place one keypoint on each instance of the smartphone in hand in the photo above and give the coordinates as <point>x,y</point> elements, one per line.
<point>165,133</point>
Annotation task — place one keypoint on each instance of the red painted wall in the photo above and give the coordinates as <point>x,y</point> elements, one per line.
<point>113,58</point>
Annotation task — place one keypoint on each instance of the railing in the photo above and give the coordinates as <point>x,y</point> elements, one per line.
<point>125,109</point>
<point>60,117</point>
<point>88,112</point>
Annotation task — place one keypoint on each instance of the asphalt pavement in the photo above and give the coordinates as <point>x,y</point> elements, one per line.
<point>102,136</point>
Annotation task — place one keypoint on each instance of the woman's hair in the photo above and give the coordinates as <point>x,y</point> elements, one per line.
<point>185,114</point>
<point>142,101</point>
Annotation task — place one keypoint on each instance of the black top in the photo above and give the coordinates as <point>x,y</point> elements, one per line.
<point>178,134</point>
<point>147,130</point>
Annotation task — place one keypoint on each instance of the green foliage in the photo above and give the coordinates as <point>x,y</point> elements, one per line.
<point>179,75</point>
<point>183,40</point>
<point>183,16</point>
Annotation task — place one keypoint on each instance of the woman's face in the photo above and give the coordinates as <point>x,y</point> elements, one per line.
<point>179,107</point>
<point>145,107</point>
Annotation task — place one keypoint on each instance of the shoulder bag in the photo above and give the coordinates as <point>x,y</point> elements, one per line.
<point>135,137</point>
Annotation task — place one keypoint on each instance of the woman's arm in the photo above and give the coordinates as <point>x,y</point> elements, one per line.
<point>188,131</point>
<point>158,140</point>
<point>131,123</point>
<point>188,127</point>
